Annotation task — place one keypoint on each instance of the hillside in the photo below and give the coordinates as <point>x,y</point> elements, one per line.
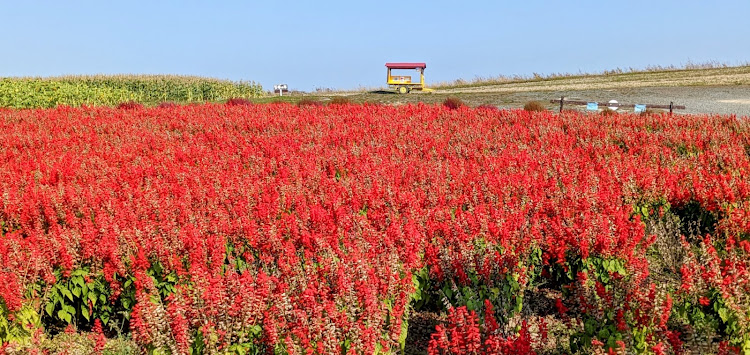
<point>729,76</point>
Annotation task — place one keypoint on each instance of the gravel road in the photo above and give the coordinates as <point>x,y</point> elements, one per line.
<point>723,91</point>
<point>724,100</point>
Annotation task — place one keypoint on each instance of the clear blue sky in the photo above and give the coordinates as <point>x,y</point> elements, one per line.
<point>344,44</point>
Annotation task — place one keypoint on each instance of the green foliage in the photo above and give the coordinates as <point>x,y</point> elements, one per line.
<point>112,90</point>
<point>83,297</point>
<point>18,327</point>
<point>201,343</point>
<point>651,209</point>
<point>77,343</point>
<point>604,331</point>
<point>165,283</point>
<point>422,285</point>
<point>603,269</point>
<point>506,295</point>
<point>602,327</point>
<point>505,290</point>
<point>696,220</point>
<point>714,317</point>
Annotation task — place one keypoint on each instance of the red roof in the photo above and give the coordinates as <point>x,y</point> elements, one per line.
<point>405,65</point>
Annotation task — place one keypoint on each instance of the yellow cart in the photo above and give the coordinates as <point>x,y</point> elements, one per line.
<point>403,83</point>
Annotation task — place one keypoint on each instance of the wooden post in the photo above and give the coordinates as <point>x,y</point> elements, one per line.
<point>562,99</point>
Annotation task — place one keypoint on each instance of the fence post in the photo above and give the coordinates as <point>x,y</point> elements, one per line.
<point>562,99</point>
<point>671,104</point>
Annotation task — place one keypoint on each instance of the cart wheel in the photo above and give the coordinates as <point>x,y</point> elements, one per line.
<point>403,90</point>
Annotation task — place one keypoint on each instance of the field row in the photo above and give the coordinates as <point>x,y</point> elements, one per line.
<point>112,90</point>
<point>323,229</point>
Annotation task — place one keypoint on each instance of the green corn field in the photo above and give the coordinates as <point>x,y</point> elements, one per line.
<point>111,90</point>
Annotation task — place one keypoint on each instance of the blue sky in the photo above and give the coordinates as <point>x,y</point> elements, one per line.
<point>345,44</point>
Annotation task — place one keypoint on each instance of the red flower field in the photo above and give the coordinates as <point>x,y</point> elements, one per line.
<point>322,229</point>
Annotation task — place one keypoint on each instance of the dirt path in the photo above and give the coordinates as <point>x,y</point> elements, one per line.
<point>724,91</point>
<point>725,100</point>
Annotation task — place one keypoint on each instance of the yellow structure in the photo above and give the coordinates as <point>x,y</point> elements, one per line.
<point>402,83</point>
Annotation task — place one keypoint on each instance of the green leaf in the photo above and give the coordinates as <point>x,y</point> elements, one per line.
<point>603,334</point>
<point>612,343</point>
<point>589,326</point>
<point>723,314</point>
<point>50,307</point>
<point>239,349</point>
<point>67,293</point>
<point>92,297</point>
<point>64,316</point>
<point>403,334</point>
<point>416,296</point>
<point>77,292</point>
<point>604,278</point>
<point>78,280</point>
<point>514,285</point>
<point>85,313</point>
<point>53,294</point>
